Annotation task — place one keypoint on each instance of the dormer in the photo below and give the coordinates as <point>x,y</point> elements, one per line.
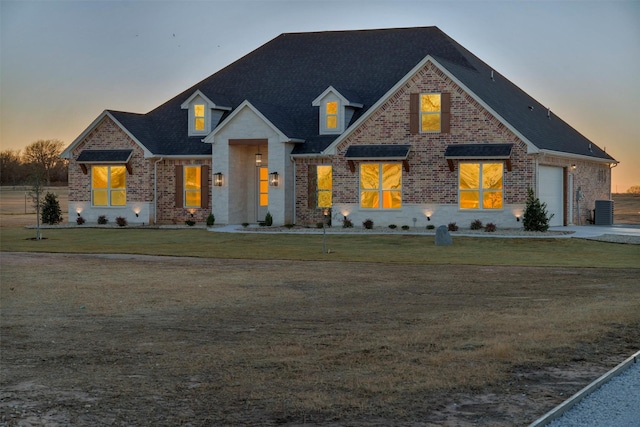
<point>336,111</point>
<point>204,114</point>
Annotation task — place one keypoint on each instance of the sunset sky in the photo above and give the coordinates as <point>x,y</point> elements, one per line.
<point>63,62</point>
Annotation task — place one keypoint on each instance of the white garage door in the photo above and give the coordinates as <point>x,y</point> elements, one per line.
<point>551,192</point>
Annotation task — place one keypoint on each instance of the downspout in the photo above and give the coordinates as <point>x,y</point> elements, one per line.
<point>155,190</point>
<point>611,166</point>
<point>295,197</point>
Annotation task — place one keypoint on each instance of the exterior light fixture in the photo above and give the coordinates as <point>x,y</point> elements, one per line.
<point>258,159</point>
<point>274,179</point>
<point>218,179</point>
<point>573,166</point>
<point>78,213</point>
<point>136,214</point>
<point>518,218</point>
<point>428,218</point>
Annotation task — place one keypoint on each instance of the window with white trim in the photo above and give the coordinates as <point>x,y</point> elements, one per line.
<point>381,185</point>
<point>480,185</point>
<point>199,118</point>
<point>108,185</point>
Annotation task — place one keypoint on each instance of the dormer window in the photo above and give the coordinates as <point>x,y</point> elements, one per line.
<point>199,118</point>
<point>204,114</point>
<point>336,111</point>
<point>331,109</point>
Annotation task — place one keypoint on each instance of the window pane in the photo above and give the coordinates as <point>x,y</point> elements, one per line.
<point>469,176</point>
<point>469,199</point>
<point>430,102</point>
<point>264,200</point>
<point>369,199</point>
<point>391,199</point>
<point>492,200</point>
<point>264,174</point>
<point>100,197</point>
<point>264,186</point>
<point>324,199</point>
<point>332,108</point>
<point>369,175</point>
<point>492,176</point>
<point>199,124</point>
<point>118,197</point>
<point>118,177</point>
<point>192,178</point>
<point>99,176</point>
<point>198,110</point>
<point>332,122</point>
<point>431,122</point>
<point>325,178</point>
<point>192,198</point>
<point>391,176</point>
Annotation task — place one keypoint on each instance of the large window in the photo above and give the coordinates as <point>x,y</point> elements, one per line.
<point>325,186</point>
<point>198,117</point>
<point>192,186</point>
<point>108,185</point>
<point>481,185</point>
<point>381,185</point>
<point>430,112</point>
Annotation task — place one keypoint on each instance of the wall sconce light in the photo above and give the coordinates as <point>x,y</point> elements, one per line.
<point>78,213</point>
<point>136,214</point>
<point>274,179</point>
<point>258,159</point>
<point>573,167</point>
<point>428,218</point>
<point>217,179</point>
<point>518,218</point>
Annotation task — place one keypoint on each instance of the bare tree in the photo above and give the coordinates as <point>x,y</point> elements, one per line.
<point>10,167</point>
<point>44,155</point>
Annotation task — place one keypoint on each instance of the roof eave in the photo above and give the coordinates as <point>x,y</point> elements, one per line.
<point>610,160</point>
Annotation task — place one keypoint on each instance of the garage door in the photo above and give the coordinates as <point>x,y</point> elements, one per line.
<point>551,190</point>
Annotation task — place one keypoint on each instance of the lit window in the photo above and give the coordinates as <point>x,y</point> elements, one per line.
<point>430,112</point>
<point>332,115</point>
<point>381,185</point>
<point>108,185</point>
<point>263,182</point>
<point>192,186</point>
<point>198,116</point>
<point>481,185</point>
<point>325,186</point>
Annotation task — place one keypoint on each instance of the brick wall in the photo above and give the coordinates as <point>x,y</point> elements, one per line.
<point>107,135</point>
<point>429,180</point>
<point>168,213</point>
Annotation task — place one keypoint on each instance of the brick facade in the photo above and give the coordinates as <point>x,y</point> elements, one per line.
<point>429,180</point>
<point>107,135</point>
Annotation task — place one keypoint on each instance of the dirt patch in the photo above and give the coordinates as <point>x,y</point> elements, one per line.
<point>140,340</point>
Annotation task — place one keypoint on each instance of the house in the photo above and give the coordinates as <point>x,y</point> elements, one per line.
<point>401,126</point>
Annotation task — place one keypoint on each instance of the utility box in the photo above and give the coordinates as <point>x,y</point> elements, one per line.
<point>604,212</point>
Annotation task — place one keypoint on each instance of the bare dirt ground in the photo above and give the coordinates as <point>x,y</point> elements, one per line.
<point>136,340</point>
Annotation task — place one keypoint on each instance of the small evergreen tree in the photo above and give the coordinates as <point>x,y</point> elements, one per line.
<point>535,214</point>
<point>51,213</point>
<point>211,220</point>
<point>268,220</point>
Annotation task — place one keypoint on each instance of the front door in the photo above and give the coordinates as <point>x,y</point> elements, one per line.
<point>262,192</point>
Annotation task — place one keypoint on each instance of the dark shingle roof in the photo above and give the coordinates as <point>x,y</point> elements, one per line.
<point>478,151</point>
<point>377,151</point>
<point>104,156</point>
<point>282,78</point>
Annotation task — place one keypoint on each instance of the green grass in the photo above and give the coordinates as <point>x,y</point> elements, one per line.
<point>350,248</point>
